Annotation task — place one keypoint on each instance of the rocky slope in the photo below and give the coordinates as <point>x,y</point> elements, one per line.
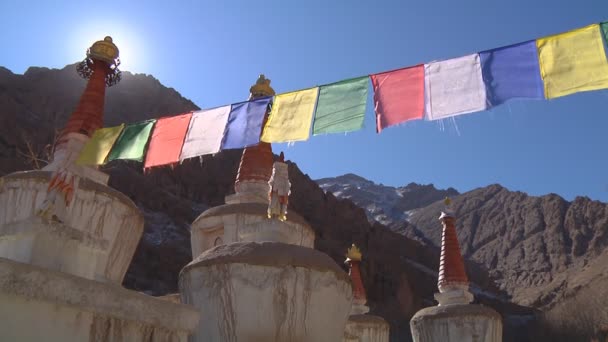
<point>399,272</point>
<point>384,204</point>
<point>537,247</point>
<point>38,103</point>
<point>540,250</point>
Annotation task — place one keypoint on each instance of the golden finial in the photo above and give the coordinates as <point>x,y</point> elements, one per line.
<point>447,211</point>
<point>354,253</point>
<point>104,50</point>
<point>261,88</point>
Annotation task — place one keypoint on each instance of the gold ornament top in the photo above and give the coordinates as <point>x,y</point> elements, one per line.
<point>261,88</point>
<point>447,212</point>
<point>354,253</point>
<point>104,50</point>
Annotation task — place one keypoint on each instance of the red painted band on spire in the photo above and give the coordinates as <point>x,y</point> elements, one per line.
<point>355,276</point>
<point>88,115</point>
<point>451,265</point>
<point>256,163</point>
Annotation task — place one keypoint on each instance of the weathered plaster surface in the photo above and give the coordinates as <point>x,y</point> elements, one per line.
<point>67,154</point>
<point>96,240</point>
<point>247,222</point>
<point>44,305</point>
<point>456,323</point>
<point>366,328</point>
<point>267,292</point>
<point>250,191</point>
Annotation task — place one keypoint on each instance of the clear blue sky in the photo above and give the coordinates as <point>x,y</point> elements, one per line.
<point>212,51</point>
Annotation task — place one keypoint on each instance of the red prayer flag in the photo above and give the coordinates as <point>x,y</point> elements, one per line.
<point>398,96</point>
<point>167,140</point>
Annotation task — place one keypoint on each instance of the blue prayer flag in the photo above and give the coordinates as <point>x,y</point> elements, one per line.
<point>512,72</point>
<point>245,123</point>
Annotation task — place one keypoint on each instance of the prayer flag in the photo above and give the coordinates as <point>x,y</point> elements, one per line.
<point>291,116</point>
<point>573,61</point>
<point>512,72</point>
<point>245,122</point>
<point>167,140</point>
<point>97,148</point>
<point>341,106</point>
<point>132,142</point>
<point>453,87</point>
<point>205,132</point>
<point>398,96</point>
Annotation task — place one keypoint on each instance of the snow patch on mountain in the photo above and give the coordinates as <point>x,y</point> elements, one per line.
<point>390,206</point>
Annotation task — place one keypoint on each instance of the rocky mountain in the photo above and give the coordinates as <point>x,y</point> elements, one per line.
<point>543,251</point>
<point>384,204</point>
<point>399,272</point>
<point>38,103</point>
<point>537,247</point>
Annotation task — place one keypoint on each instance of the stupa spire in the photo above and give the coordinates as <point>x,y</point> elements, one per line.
<point>361,326</point>
<point>100,67</point>
<point>353,260</point>
<point>453,282</point>
<point>255,167</point>
<point>455,318</point>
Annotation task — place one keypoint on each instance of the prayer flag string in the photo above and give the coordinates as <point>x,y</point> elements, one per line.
<point>548,67</point>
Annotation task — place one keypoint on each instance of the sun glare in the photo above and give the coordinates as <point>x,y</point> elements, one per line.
<point>128,43</point>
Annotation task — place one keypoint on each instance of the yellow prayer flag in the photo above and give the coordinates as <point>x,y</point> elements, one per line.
<point>573,61</point>
<point>291,116</point>
<point>97,148</point>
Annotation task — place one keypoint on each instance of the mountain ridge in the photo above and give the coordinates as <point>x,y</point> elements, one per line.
<point>384,204</point>
<point>541,242</point>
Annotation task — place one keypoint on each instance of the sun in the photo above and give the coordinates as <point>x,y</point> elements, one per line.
<point>129,45</point>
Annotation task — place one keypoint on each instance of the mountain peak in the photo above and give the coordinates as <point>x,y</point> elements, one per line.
<point>352,175</point>
<point>29,97</point>
<point>5,71</point>
<point>385,204</point>
<point>34,70</point>
<point>346,177</point>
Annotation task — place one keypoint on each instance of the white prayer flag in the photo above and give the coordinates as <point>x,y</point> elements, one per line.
<point>454,87</point>
<point>205,132</point>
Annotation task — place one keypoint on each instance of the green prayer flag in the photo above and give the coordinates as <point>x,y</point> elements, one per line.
<point>604,27</point>
<point>132,142</point>
<point>341,106</point>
